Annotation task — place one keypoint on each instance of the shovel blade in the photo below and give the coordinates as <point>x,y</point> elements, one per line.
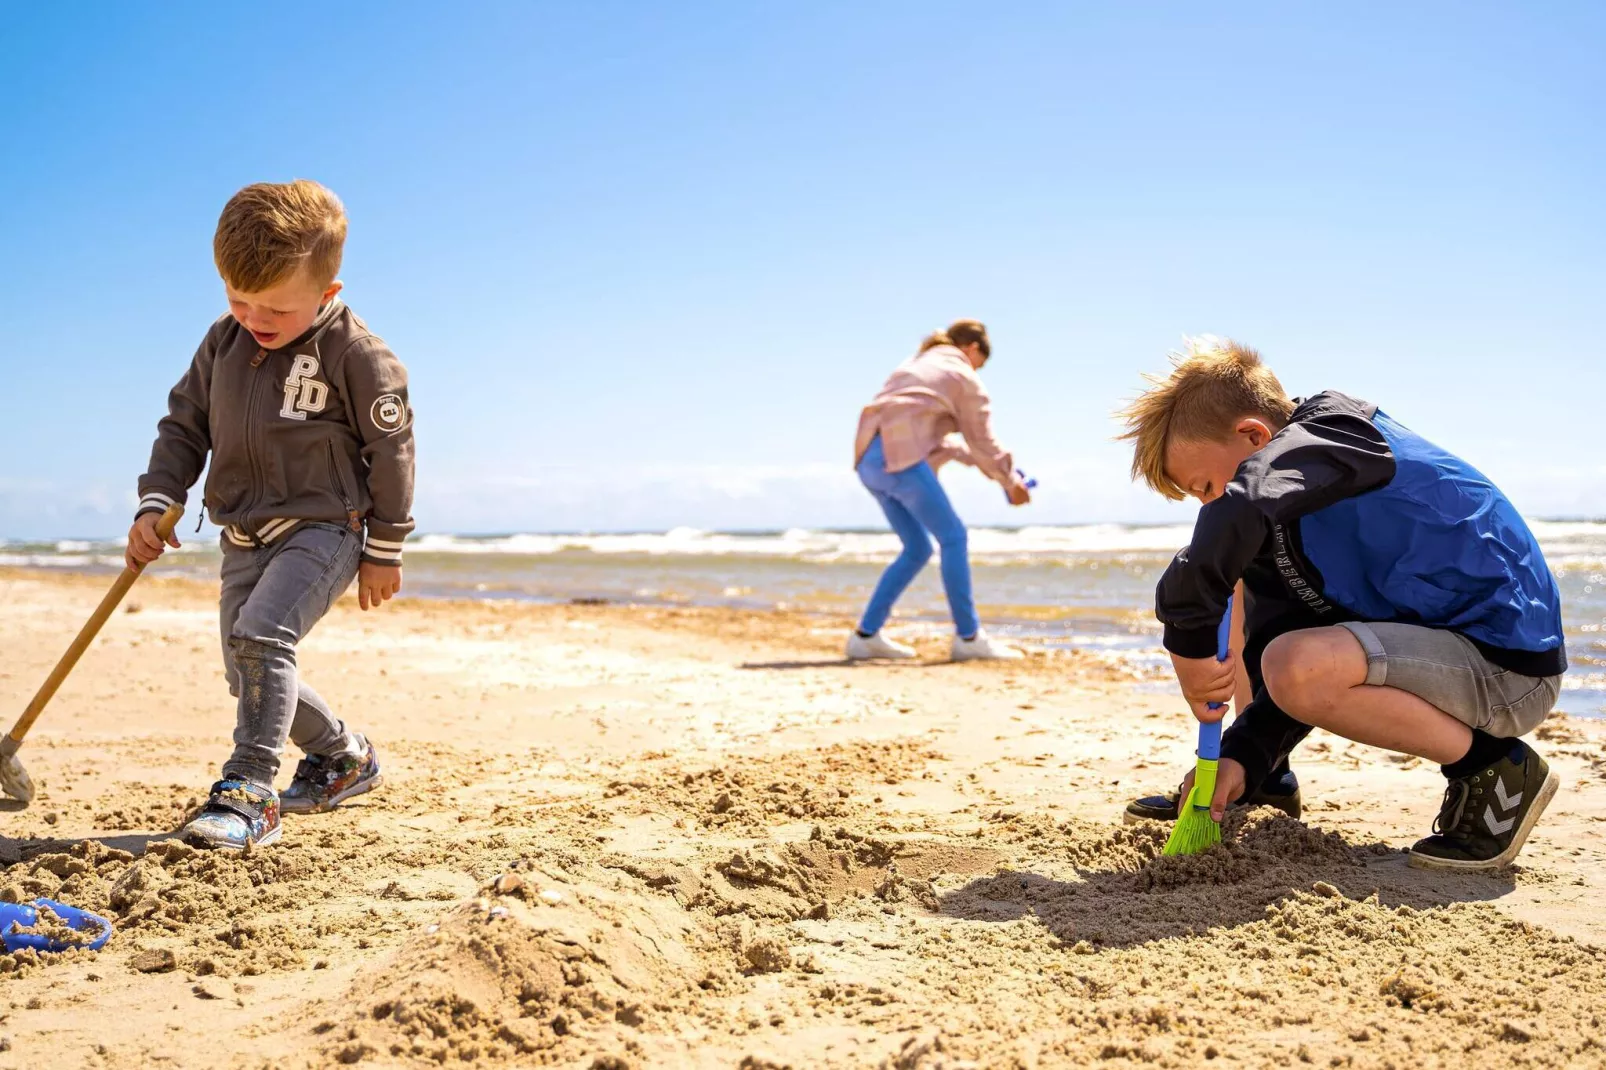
<point>15,781</point>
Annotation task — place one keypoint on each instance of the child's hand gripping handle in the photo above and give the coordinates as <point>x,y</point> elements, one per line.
<point>1204,775</point>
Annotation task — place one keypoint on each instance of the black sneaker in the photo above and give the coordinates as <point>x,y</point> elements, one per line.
<point>321,784</point>
<point>1487,816</point>
<point>1279,792</point>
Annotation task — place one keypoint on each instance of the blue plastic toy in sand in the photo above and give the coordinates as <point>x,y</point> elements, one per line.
<point>24,915</point>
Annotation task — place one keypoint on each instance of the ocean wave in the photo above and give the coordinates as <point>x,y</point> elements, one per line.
<point>819,545</point>
<point>1569,545</point>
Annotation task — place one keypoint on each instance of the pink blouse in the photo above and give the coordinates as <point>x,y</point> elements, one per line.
<point>934,408</point>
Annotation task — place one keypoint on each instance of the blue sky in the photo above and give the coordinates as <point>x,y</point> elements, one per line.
<point>645,262</point>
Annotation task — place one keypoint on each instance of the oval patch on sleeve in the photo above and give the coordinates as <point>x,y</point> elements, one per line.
<point>389,412</point>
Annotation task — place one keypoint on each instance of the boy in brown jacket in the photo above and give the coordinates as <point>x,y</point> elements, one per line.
<point>305,415</point>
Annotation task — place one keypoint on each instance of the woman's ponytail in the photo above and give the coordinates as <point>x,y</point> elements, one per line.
<point>959,334</point>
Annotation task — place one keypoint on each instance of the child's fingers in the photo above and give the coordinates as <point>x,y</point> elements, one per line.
<point>1229,785</point>
<point>140,554</point>
<point>172,539</point>
<point>362,595</point>
<point>1218,805</point>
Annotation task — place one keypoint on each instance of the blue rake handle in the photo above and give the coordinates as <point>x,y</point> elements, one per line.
<point>1210,733</point>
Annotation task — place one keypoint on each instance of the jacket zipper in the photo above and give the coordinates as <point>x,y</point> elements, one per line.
<point>353,520</point>
<point>257,477</point>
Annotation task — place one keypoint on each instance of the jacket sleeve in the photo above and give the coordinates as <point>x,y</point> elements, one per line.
<point>183,437</point>
<point>376,386</point>
<point>1308,465</point>
<point>1260,738</point>
<point>953,448</point>
<point>975,416</point>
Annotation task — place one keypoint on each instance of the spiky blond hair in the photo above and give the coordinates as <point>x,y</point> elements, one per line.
<point>1214,383</point>
<point>271,230</point>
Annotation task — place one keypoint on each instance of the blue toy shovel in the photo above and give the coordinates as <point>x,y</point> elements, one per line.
<point>1026,481</point>
<point>24,915</point>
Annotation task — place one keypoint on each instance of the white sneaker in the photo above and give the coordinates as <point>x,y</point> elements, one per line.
<point>983,648</point>
<point>877,646</point>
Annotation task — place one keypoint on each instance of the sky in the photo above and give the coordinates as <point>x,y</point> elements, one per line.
<point>645,262</point>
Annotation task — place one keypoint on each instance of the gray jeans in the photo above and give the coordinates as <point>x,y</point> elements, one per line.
<point>271,598</point>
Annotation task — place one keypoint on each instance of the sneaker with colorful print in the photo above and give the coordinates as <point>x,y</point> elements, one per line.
<point>321,784</point>
<point>238,815</point>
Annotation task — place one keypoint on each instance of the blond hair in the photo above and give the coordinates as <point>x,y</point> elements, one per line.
<point>1214,382</point>
<point>270,230</point>
<point>960,333</point>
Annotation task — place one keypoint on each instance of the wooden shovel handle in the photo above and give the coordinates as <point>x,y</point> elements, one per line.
<point>86,634</point>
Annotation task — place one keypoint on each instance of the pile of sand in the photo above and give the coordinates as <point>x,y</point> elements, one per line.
<point>206,906</point>
<point>544,973</point>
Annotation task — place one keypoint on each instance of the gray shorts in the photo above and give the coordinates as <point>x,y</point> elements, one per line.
<point>1444,668</point>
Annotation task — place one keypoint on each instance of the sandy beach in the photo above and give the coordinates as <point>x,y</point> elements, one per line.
<point>619,836</point>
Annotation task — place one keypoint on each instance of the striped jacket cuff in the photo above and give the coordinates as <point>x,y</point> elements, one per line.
<point>382,551</point>
<point>153,502</point>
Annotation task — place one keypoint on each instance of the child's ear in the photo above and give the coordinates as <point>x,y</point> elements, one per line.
<point>334,288</point>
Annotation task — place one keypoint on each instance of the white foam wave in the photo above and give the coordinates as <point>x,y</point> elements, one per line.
<point>1564,542</point>
<point>821,546</point>
<point>1567,545</point>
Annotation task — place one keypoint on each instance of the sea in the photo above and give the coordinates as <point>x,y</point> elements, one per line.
<point>1087,586</point>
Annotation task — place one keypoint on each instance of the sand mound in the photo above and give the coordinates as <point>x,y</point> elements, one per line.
<point>228,912</point>
<point>549,971</point>
<point>1121,890</point>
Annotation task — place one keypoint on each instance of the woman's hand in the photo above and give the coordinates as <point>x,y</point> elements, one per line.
<point>1017,492</point>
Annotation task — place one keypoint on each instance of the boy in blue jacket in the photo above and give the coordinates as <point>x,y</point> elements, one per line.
<point>1394,595</point>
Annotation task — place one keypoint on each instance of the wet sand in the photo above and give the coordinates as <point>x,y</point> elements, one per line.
<point>629,837</point>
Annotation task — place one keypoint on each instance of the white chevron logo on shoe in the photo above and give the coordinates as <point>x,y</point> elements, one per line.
<point>1507,804</point>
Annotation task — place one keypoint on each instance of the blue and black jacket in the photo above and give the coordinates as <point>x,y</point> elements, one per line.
<point>1346,515</point>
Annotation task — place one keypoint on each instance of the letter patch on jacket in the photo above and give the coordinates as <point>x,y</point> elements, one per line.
<point>302,393</point>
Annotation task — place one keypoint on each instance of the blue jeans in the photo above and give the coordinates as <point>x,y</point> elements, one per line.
<point>916,505</point>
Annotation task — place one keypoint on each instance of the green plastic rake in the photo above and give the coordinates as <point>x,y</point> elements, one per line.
<point>1196,831</point>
